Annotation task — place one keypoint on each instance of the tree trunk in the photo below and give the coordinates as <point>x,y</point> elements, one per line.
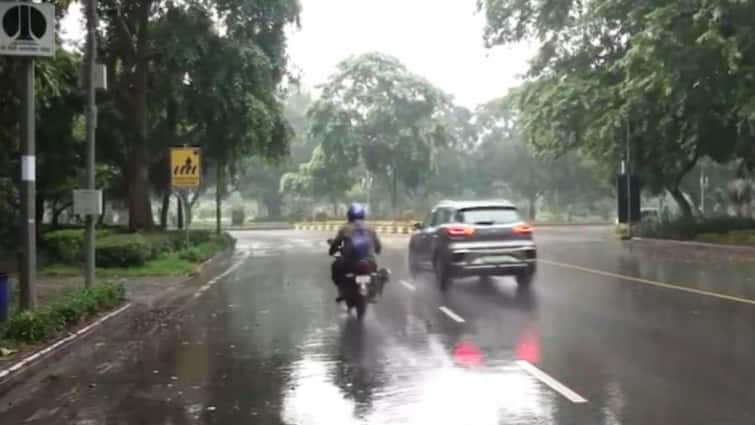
<point>532,205</point>
<point>273,205</point>
<point>101,218</point>
<point>180,215</point>
<point>219,198</point>
<point>139,214</point>
<point>39,214</point>
<point>56,212</point>
<point>164,210</point>
<point>681,201</point>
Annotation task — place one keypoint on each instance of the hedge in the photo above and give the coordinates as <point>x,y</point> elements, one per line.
<point>68,310</point>
<point>120,250</point>
<point>124,251</point>
<point>689,229</point>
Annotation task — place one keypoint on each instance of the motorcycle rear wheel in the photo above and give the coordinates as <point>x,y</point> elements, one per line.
<point>361,306</point>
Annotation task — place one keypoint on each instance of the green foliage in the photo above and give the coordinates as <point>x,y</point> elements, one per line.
<point>175,259</point>
<point>378,118</point>
<point>68,310</point>
<point>203,251</point>
<point>713,230</point>
<point>67,245</point>
<point>671,78</point>
<point>127,250</point>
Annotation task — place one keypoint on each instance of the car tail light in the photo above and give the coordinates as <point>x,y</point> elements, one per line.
<point>456,230</point>
<point>522,229</point>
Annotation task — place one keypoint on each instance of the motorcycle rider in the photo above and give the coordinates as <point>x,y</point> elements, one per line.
<point>354,232</point>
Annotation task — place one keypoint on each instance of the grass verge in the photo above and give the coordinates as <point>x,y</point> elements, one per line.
<point>724,230</point>
<point>65,312</point>
<point>176,263</point>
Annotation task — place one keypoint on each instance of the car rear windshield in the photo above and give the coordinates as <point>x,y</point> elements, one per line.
<point>488,216</point>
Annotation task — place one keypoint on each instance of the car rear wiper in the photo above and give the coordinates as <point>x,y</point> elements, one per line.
<point>484,223</point>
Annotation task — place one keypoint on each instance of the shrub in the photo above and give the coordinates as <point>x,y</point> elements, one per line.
<point>65,246</point>
<point>206,249</point>
<point>70,309</point>
<point>125,250</point>
<point>689,229</point>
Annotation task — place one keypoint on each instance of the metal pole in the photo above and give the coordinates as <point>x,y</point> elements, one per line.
<point>185,198</point>
<point>629,183</point>
<point>91,127</point>
<point>219,198</point>
<point>28,190</point>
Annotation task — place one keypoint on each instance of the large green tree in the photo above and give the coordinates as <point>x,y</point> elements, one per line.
<point>175,77</point>
<point>671,79</point>
<point>377,115</point>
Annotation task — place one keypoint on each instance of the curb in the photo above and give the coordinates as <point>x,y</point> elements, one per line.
<point>694,244</point>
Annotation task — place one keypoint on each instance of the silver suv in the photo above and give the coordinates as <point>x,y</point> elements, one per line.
<point>473,238</point>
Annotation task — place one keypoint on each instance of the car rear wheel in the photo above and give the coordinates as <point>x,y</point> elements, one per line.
<point>525,278</point>
<point>441,274</point>
<point>413,266</point>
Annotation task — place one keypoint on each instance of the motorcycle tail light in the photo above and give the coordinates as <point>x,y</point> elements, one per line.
<point>363,267</point>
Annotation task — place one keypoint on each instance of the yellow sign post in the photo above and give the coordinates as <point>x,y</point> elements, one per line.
<point>185,167</point>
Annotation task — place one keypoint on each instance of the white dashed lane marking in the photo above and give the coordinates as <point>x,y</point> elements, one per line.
<point>551,382</point>
<point>408,285</point>
<point>455,317</point>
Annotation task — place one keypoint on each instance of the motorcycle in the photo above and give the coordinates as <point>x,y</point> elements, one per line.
<point>363,283</point>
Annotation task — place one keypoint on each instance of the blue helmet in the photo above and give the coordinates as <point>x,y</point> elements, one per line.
<point>356,212</point>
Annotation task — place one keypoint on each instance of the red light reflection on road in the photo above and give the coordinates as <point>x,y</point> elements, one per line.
<point>528,346</point>
<point>467,354</point>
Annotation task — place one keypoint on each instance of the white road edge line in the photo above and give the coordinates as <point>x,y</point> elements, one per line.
<point>53,347</point>
<point>408,285</point>
<point>451,314</point>
<point>216,279</point>
<point>551,382</point>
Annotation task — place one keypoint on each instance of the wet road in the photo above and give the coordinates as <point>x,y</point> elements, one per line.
<point>598,340</point>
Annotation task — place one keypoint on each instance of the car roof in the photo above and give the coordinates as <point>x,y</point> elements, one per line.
<point>460,205</point>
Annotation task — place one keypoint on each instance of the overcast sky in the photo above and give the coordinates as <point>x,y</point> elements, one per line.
<point>438,39</point>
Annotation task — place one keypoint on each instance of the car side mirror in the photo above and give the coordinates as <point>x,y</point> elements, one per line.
<point>417,226</point>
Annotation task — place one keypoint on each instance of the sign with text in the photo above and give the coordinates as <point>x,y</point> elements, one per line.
<point>185,167</point>
<point>27,29</point>
<point>87,202</point>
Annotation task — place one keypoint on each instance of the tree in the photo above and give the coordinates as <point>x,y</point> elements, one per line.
<point>323,177</point>
<point>665,77</point>
<point>376,114</point>
<point>260,178</point>
<point>173,73</point>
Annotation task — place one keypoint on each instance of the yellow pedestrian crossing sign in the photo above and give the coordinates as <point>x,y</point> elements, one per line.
<point>185,167</point>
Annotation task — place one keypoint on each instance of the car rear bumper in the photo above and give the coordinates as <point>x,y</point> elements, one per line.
<point>500,261</point>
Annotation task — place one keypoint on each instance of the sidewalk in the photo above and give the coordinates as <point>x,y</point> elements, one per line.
<point>143,294</point>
